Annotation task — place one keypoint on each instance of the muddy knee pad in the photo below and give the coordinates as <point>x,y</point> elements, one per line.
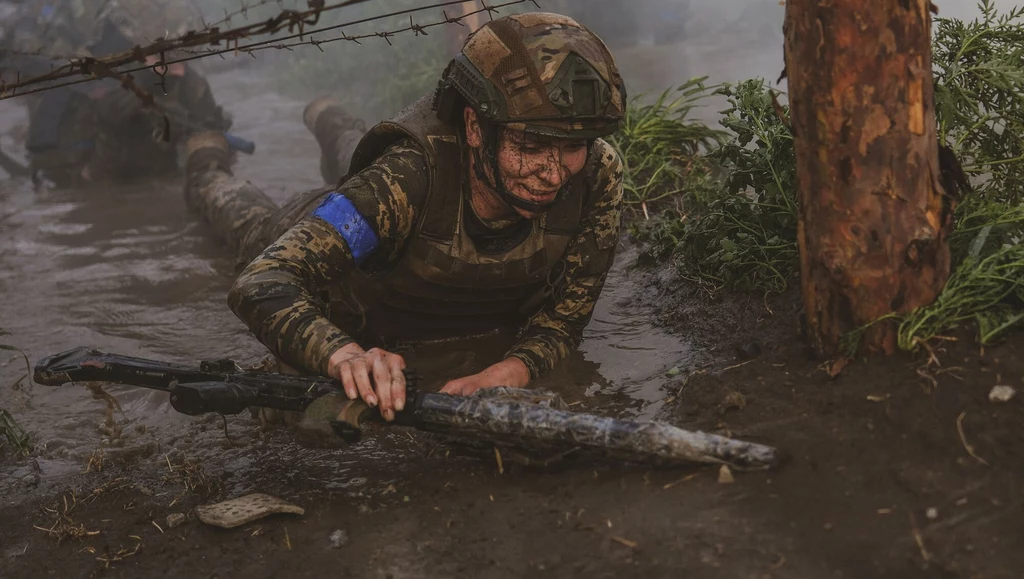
<point>208,151</point>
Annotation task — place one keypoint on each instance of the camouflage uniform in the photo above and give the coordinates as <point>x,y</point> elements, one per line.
<point>396,253</point>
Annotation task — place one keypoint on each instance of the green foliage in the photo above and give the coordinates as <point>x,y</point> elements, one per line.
<point>987,288</point>
<point>13,433</point>
<point>979,102</point>
<point>660,145</point>
<point>735,226</point>
<point>979,98</point>
<point>10,430</point>
<point>737,229</point>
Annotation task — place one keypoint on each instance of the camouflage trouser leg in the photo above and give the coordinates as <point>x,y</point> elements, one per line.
<point>337,133</point>
<point>235,208</point>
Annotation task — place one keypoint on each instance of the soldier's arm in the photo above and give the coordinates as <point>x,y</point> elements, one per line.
<point>195,98</point>
<point>557,328</point>
<point>363,225</point>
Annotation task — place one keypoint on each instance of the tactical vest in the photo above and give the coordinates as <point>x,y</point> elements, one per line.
<point>442,287</point>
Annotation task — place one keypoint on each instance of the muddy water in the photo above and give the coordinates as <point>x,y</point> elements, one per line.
<point>126,269</point>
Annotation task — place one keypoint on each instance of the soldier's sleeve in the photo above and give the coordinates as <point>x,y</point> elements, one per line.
<point>195,97</point>
<point>557,328</point>
<point>364,224</point>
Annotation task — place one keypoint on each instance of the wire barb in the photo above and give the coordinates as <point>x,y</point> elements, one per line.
<point>193,43</point>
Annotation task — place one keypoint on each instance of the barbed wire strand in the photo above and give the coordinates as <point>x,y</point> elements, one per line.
<point>416,29</point>
<point>277,43</point>
<point>286,19</point>
<point>244,8</point>
<point>243,11</point>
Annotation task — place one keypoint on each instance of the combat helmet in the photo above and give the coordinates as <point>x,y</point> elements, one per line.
<point>538,72</point>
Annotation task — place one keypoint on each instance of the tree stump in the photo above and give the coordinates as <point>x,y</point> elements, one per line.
<point>874,219</point>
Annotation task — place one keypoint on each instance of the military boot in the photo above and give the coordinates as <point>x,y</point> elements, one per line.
<point>336,131</point>
<point>207,151</point>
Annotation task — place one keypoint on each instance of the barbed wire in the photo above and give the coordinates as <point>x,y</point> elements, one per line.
<point>416,29</point>
<point>243,11</point>
<point>104,68</point>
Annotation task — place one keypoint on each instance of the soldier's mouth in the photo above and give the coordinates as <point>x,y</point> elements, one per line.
<point>542,196</point>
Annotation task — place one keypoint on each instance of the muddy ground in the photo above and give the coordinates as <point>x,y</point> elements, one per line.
<point>880,483</point>
<point>897,468</point>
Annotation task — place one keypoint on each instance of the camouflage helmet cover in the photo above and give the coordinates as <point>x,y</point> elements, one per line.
<point>538,72</point>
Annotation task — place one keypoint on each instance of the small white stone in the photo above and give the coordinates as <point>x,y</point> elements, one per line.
<point>932,513</point>
<point>338,539</point>
<point>1001,393</point>
<point>725,475</point>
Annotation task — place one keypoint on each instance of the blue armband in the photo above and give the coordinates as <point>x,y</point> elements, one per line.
<point>342,215</point>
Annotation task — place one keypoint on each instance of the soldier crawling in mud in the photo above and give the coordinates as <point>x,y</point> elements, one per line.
<point>98,131</point>
<point>489,204</point>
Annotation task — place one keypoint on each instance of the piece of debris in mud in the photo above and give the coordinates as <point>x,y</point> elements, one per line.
<point>338,539</point>
<point>725,475</point>
<point>748,351</point>
<point>733,401</point>
<point>65,527</point>
<point>190,474</point>
<point>95,462</point>
<point>239,511</point>
<point>175,520</point>
<point>121,554</point>
<point>1001,393</point>
<point>110,427</point>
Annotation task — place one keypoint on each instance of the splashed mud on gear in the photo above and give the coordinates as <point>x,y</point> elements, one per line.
<point>533,421</point>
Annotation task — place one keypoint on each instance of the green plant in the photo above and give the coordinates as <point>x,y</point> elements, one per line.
<point>979,103</point>
<point>660,145</point>
<point>737,227</point>
<point>13,433</point>
<point>979,98</point>
<point>987,288</point>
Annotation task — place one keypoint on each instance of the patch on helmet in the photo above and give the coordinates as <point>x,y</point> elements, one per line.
<point>339,212</point>
<point>487,50</point>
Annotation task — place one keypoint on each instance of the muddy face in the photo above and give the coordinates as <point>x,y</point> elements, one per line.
<point>536,168</point>
<point>532,168</point>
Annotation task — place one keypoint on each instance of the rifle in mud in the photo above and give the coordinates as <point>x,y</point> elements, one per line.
<point>509,417</point>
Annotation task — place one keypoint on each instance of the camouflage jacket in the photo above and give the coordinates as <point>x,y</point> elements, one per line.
<point>276,295</point>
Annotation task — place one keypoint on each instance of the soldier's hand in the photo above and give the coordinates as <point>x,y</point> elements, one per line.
<point>374,375</point>
<point>509,372</point>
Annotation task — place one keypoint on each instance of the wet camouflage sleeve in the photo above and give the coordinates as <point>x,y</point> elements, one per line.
<point>275,295</point>
<point>558,328</point>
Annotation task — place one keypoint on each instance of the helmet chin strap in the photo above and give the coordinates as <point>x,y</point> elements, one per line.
<point>503,193</point>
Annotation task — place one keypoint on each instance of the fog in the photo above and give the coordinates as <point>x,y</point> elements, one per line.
<point>658,44</point>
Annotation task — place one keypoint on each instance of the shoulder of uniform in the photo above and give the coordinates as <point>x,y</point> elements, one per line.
<point>604,155</point>
<point>406,147</point>
<point>605,173</point>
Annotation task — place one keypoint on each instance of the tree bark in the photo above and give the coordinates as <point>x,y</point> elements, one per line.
<point>874,219</point>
